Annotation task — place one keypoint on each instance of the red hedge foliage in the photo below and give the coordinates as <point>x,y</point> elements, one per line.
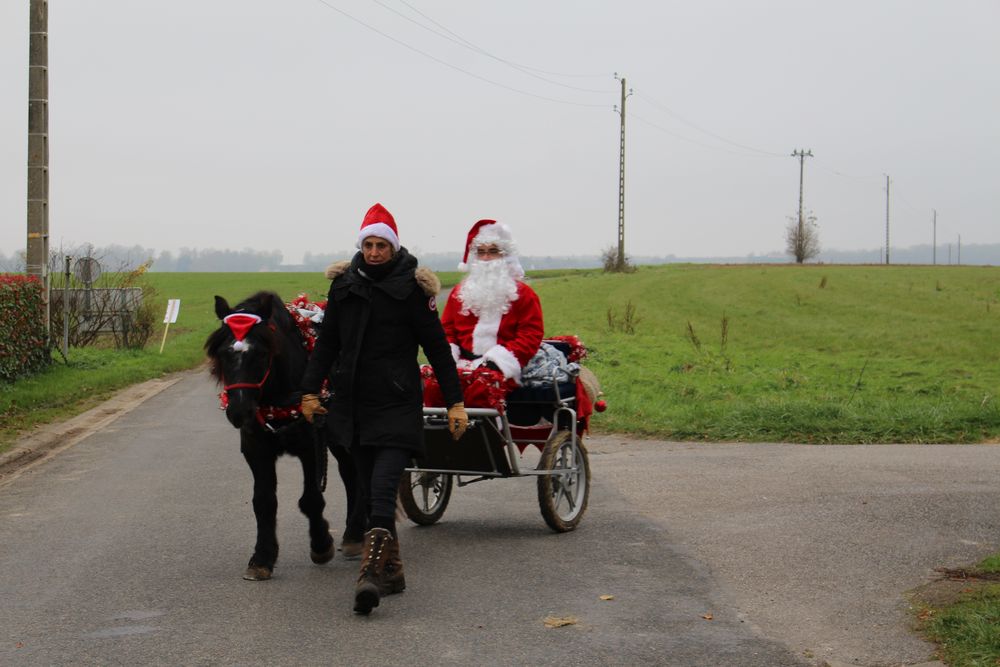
<point>22,326</point>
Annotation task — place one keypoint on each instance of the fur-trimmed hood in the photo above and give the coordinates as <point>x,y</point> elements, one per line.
<point>337,269</point>
<point>428,281</point>
<point>426,278</point>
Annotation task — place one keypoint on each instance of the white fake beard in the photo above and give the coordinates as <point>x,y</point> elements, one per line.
<point>489,289</point>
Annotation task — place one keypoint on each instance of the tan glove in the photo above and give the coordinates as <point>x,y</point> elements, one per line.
<point>311,406</point>
<point>458,420</point>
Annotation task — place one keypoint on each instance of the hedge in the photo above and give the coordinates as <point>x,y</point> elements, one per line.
<point>23,348</point>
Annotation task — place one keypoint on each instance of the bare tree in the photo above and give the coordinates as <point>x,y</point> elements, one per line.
<point>802,237</point>
<point>612,261</point>
<point>118,305</point>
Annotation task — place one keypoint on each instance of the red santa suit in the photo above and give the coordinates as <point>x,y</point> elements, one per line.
<point>509,340</point>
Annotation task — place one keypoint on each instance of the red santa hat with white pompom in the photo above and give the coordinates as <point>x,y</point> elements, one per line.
<point>379,222</point>
<point>492,232</point>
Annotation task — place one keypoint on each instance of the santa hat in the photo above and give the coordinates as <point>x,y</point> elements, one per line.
<point>379,222</point>
<point>490,231</point>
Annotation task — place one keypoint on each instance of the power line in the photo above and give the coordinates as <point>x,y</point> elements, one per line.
<point>870,180</point>
<point>690,140</point>
<point>701,129</point>
<point>454,38</point>
<point>454,67</point>
<point>512,64</point>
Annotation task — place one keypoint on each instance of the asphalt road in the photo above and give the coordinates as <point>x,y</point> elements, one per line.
<point>128,548</point>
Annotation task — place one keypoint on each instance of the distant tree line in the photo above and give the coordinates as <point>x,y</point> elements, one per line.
<point>116,257</point>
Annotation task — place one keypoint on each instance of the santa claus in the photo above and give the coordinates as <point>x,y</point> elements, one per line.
<point>492,318</point>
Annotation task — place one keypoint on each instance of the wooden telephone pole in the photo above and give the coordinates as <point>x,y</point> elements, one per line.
<point>934,240</point>
<point>37,251</point>
<point>887,218</point>
<point>801,155</point>
<point>621,181</point>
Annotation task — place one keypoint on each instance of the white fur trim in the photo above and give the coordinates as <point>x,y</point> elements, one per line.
<point>484,335</point>
<point>505,361</point>
<point>463,266</point>
<point>498,233</point>
<point>381,230</point>
<point>456,352</point>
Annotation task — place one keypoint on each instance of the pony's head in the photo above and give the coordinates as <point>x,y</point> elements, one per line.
<point>243,351</point>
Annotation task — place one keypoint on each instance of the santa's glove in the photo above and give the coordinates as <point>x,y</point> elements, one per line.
<point>311,406</point>
<point>458,420</point>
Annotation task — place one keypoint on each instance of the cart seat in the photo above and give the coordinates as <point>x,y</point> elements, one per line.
<point>528,405</point>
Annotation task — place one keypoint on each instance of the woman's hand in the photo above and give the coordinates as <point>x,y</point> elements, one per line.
<point>311,406</point>
<point>458,420</point>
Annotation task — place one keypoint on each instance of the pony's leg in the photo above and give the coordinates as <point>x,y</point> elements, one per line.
<point>311,503</point>
<point>356,520</point>
<point>261,458</point>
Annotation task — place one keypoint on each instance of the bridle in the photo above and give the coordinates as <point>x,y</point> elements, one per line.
<point>241,324</point>
<point>266,415</point>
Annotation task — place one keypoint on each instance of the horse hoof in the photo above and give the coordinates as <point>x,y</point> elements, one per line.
<point>257,572</point>
<point>323,557</point>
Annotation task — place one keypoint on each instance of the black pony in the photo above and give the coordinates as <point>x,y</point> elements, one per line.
<point>258,354</point>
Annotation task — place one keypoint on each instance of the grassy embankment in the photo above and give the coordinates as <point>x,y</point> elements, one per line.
<point>835,354</point>
<point>757,352</point>
<point>965,622</point>
<point>93,373</point>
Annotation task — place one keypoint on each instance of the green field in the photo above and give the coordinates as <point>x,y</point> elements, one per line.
<point>792,353</point>
<point>699,352</point>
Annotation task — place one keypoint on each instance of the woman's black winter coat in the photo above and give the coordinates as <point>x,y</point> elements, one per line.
<point>368,343</point>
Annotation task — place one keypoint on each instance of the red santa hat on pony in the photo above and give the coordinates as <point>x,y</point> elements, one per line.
<point>379,222</point>
<point>491,232</point>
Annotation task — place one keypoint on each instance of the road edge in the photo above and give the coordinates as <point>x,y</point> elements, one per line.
<point>46,441</point>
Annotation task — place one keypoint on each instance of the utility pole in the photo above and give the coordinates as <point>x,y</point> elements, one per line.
<point>934,241</point>
<point>959,249</point>
<point>887,218</point>
<point>621,180</point>
<point>801,155</point>
<point>37,250</point>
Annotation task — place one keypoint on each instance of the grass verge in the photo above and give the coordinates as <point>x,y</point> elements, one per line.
<point>964,619</point>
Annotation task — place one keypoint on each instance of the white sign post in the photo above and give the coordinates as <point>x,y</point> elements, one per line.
<point>173,307</point>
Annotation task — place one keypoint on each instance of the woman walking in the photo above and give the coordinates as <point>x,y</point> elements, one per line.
<point>380,308</point>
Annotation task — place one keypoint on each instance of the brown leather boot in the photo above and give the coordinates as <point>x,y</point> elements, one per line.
<point>393,580</point>
<point>375,553</point>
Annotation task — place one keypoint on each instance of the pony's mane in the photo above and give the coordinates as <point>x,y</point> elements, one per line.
<point>278,316</point>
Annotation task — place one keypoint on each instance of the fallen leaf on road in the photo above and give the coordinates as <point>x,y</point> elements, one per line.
<point>560,621</point>
<point>707,617</point>
<point>607,597</point>
<point>19,645</point>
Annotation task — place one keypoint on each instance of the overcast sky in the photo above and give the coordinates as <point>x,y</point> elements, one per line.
<point>275,124</point>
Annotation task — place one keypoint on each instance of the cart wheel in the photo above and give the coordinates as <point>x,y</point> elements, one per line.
<point>424,496</point>
<point>562,497</point>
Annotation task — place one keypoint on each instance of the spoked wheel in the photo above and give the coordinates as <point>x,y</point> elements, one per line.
<point>562,496</point>
<point>424,496</point>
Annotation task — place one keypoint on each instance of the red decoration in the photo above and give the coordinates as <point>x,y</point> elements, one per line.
<point>241,323</point>
<point>308,328</point>
<point>601,405</point>
<point>577,350</point>
<point>481,388</point>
